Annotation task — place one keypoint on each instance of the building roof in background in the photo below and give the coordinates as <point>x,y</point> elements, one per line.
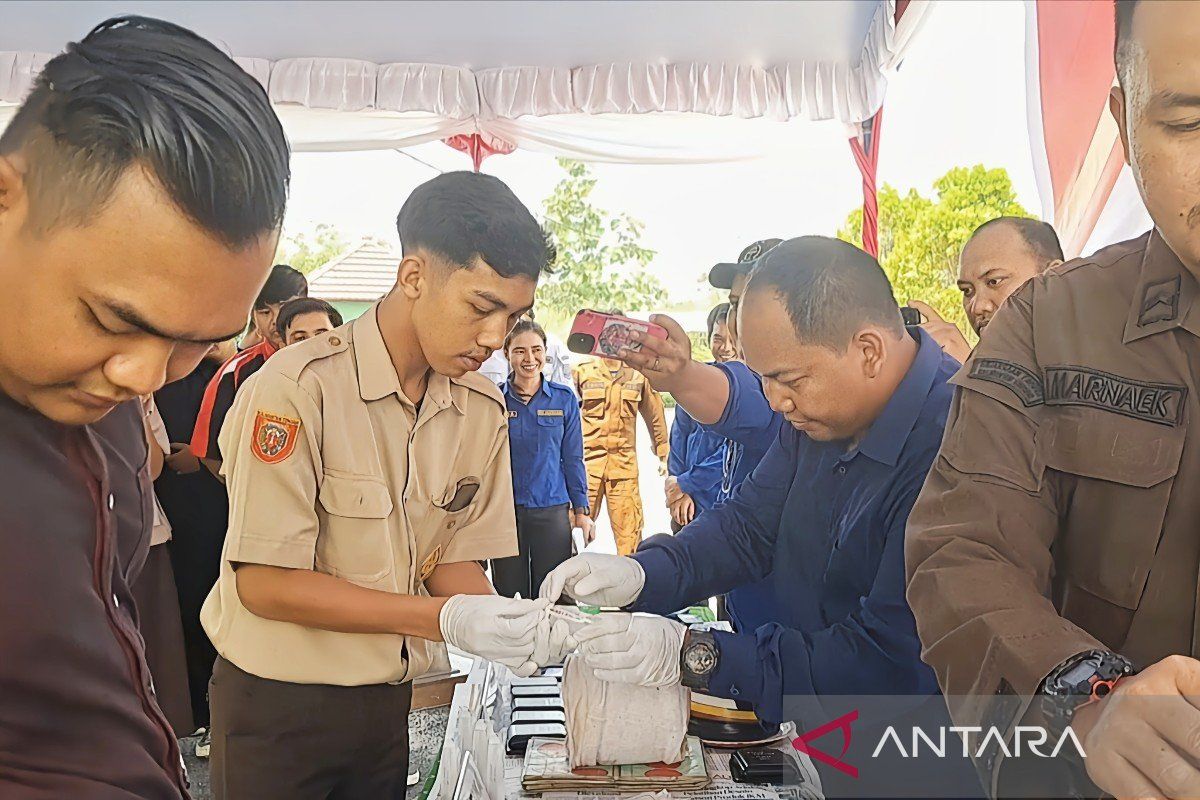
<point>364,273</point>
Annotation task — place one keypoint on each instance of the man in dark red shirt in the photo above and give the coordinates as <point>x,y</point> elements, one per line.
<point>142,185</point>
<point>283,284</point>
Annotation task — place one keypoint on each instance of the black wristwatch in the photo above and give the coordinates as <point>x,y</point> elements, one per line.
<point>1079,681</point>
<point>587,512</point>
<point>698,659</point>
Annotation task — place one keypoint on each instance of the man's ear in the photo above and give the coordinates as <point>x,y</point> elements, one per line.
<point>873,349</point>
<point>1118,107</point>
<point>13,196</point>
<point>413,275</point>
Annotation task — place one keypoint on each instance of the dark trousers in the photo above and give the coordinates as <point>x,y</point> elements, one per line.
<point>198,509</point>
<point>293,741</point>
<point>544,539</point>
<point>158,621</point>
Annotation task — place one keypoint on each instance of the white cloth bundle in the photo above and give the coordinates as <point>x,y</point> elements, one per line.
<point>619,723</point>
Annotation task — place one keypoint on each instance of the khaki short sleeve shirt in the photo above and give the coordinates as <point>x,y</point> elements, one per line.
<point>331,468</point>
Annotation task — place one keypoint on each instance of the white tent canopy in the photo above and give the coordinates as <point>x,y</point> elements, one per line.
<point>647,81</point>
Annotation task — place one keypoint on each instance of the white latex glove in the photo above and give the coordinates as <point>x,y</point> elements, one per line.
<point>553,642</point>
<point>596,579</point>
<point>628,648</point>
<point>498,628</point>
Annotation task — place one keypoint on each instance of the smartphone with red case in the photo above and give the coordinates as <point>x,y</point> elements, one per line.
<point>598,334</point>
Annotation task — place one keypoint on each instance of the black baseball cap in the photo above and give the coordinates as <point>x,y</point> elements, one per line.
<point>721,276</point>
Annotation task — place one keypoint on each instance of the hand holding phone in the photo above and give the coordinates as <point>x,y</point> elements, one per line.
<point>605,335</point>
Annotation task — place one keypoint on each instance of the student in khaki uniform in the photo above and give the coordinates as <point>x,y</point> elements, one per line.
<point>612,395</point>
<point>368,473</point>
<point>1054,547</point>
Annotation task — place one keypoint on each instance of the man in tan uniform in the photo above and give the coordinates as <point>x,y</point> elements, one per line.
<point>368,473</point>
<point>612,395</point>
<point>1054,548</point>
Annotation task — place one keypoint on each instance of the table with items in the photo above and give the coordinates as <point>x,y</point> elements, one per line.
<point>507,739</point>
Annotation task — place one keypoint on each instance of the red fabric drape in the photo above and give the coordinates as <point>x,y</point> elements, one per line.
<point>478,147</point>
<point>865,147</point>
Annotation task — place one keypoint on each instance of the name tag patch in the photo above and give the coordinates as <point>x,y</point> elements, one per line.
<point>1017,378</point>
<point>1161,403</point>
<point>550,412</point>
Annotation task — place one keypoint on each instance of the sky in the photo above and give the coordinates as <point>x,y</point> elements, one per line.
<point>958,99</point>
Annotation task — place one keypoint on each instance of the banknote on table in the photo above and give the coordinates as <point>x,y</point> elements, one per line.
<point>548,768</point>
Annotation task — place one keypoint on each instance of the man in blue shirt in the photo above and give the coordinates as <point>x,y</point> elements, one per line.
<point>697,458</point>
<point>549,479</point>
<point>824,512</point>
<point>694,467</point>
<point>727,400</point>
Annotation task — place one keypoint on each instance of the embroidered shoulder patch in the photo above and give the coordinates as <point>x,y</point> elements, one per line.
<point>1017,378</point>
<point>1160,302</point>
<point>1080,386</point>
<point>274,437</point>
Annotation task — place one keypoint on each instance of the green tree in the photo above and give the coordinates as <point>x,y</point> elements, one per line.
<point>920,238</point>
<point>601,262</point>
<point>307,255</point>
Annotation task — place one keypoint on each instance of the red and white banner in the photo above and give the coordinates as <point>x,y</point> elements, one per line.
<point>1087,190</point>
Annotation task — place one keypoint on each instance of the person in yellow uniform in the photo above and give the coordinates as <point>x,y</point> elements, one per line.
<point>368,474</point>
<point>611,397</point>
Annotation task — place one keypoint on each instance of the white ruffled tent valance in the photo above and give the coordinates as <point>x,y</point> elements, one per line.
<point>330,104</point>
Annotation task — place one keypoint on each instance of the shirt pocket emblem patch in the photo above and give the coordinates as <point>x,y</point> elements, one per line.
<point>274,437</point>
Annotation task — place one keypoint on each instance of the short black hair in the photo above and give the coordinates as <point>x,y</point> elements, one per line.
<point>140,91</point>
<point>282,284</point>
<point>1038,236</point>
<point>719,314</point>
<point>462,216</point>
<point>1123,29</point>
<point>524,326</point>
<point>830,289</point>
<point>304,305</point>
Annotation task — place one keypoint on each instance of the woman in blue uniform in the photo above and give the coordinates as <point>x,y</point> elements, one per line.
<point>549,481</point>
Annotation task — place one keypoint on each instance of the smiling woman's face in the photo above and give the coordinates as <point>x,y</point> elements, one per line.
<point>92,315</point>
<point>527,355</point>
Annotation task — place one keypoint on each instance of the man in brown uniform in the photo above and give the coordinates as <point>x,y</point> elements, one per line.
<point>612,395</point>
<point>368,473</point>
<point>1054,548</point>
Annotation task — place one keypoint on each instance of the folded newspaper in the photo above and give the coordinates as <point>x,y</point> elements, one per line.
<point>548,768</point>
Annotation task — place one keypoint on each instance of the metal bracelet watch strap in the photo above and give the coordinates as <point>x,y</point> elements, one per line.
<point>1080,680</point>
<point>698,659</point>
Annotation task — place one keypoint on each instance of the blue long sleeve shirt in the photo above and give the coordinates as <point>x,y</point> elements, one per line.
<point>828,526</point>
<point>748,423</point>
<point>750,426</point>
<point>697,460</point>
<point>546,444</point>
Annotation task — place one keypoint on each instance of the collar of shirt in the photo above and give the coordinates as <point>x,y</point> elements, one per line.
<point>887,435</point>
<point>1165,295</point>
<point>377,376</point>
<point>242,357</point>
<point>510,390</point>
